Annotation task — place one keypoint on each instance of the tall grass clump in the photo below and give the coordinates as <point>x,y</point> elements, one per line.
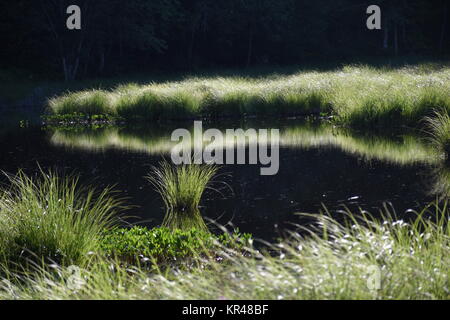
<point>181,188</point>
<point>360,258</point>
<point>150,104</point>
<point>94,102</point>
<point>438,127</point>
<point>51,219</point>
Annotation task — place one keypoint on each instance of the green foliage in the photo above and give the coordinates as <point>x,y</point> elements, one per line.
<point>162,245</point>
<point>149,105</point>
<point>438,127</point>
<point>181,188</point>
<point>52,219</point>
<point>361,258</point>
<point>357,96</point>
<point>88,103</point>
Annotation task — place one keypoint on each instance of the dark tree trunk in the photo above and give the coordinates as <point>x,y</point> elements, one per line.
<point>250,47</point>
<point>396,39</point>
<point>70,69</point>
<point>386,37</point>
<point>101,65</point>
<point>192,44</point>
<point>443,28</point>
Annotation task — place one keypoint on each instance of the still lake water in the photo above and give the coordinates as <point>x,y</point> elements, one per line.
<point>319,165</point>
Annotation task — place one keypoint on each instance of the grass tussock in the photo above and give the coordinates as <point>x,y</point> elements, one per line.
<point>361,259</point>
<point>94,102</point>
<point>355,95</point>
<point>48,218</point>
<point>438,127</point>
<point>181,188</point>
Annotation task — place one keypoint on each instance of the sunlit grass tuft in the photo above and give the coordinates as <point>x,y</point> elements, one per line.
<point>94,102</point>
<point>438,127</point>
<point>51,219</point>
<point>181,188</point>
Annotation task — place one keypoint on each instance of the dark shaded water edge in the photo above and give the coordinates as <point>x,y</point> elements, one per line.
<point>319,166</point>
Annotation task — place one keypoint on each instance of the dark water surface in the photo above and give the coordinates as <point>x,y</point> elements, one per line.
<point>319,165</point>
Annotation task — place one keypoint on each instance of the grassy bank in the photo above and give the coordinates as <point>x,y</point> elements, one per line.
<point>372,259</point>
<point>359,96</point>
<point>77,255</point>
<point>47,219</point>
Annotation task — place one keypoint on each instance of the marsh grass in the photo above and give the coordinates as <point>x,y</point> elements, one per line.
<point>438,128</point>
<point>93,102</point>
<point>325,260</point>
<point>356,95</point>
<point>181,188</point>
<point>52,219</point>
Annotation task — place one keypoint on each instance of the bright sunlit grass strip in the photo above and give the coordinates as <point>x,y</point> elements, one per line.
<point>356,95</point>
<point>336,261</point>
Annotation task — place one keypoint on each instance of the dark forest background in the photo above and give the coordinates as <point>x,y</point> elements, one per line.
<point>148,35</point>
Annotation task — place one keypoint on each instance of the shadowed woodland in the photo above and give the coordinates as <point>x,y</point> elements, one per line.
<point>166,35</point>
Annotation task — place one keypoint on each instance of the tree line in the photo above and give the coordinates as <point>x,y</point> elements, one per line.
<point>144,35</point>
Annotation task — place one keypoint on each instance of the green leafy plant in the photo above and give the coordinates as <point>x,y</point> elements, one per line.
<point>162,245</point>
<point>361,257</point>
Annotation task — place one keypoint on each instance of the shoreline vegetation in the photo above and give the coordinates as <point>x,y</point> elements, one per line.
<point>356,96</point>
<point>61,241</point>
<point>86,257</point>
<point>133,132</point>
